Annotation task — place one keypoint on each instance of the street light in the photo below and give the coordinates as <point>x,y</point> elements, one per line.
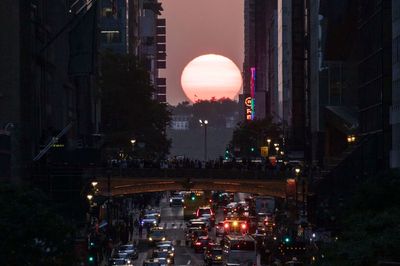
<point>204,123</point>
<point>94,183</point>
<point>269,141</point>
<point>277,149</point>
<point>89,197</point>
<point>133,141</point>
<point>297,170</point>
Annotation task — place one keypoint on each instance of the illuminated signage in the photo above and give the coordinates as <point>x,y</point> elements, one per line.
<point>249,101</point>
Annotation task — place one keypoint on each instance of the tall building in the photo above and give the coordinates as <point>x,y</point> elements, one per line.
<point>152,49</point>
<point>395,110</point>
<point>48,101</point>
<point>134,27</point>
<point>113,22</point>
<point>374,82</point>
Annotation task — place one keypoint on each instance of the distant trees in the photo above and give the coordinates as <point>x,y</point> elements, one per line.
<point>215,111</point>
<point>128,109</point>
<point>249,136</point>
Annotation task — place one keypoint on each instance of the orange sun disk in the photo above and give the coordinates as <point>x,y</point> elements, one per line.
<point>209,76</point>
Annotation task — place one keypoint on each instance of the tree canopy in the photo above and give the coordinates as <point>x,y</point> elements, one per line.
<point>370,225</point>
<point>31,232</point>
<point>253,134</point>
<point>128,108</point>
<point>215,111</point>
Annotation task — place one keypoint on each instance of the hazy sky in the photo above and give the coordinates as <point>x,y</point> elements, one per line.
<point>197,27</point>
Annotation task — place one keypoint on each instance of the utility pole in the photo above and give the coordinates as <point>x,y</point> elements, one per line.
<point>109,199</point>
<point>204,124</point>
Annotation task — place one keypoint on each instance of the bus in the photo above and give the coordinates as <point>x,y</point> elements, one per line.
<point>239,250</point>
<point>232,226</point>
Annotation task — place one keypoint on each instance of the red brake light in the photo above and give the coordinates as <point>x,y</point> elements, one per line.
<point>197,213</point>
<point>211,211</point>
<point>226,225</point>
<point>244,226</point>
<point>198,243</point>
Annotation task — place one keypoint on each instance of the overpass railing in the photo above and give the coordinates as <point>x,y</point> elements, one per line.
<point>191,173</point>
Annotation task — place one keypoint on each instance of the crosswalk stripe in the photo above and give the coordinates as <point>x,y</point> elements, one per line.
<point>173,225</point>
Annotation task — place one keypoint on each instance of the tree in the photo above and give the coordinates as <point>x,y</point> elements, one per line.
<point>32,233</point>
<point>370,225</point>
<point>128,109</point>
<point>215,111</point>
<point>249,136</point>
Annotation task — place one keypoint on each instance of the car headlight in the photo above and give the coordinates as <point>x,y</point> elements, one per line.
<point>173,248</point>
<point>163,239</point>
<point>183,200</point>
<point>154,222</point>
<point>170,200</point>
<point>150,238</point>
<point>168,261</point>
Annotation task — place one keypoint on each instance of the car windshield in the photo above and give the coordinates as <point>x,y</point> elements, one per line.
<point>217,252</point>
<point>118,262</point>
<point>126,248</point>
<point>161,254</point>
<point>157,233</point>
<point>201,212</point>
<point>243,245</point>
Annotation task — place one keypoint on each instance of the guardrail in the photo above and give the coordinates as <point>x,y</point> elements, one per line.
<point>220,173</point>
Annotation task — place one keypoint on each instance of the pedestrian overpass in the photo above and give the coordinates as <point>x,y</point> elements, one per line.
<point>120,182</point>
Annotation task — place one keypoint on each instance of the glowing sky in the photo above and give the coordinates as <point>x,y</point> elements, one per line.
<point>198,27</point>
<point>210,76</point>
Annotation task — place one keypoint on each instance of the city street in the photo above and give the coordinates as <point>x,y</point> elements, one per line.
<point>172,220</point>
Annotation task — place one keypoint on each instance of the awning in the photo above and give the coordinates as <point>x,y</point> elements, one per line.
<point>343,118</point>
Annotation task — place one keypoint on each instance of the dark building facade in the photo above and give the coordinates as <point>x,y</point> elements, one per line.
<point>355,83</point>
<point>49,104</point>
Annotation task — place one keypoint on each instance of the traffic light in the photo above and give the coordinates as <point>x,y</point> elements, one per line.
<point>192,196</point>
<point>91,260</point>
<point>252,149</point>
<point>226,152</point>
<point>286,239</point>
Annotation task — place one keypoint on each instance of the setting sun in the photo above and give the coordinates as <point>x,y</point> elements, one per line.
<point>209,76</point>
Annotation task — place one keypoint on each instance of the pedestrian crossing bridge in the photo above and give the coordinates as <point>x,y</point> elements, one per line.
<point>126,185</point>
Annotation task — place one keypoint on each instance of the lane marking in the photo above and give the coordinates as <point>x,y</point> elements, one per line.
<point>188,262</point>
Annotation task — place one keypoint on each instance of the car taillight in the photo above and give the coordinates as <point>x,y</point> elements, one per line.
<point>244,226</point>
<point>226,225</point>
<point>198,243</point>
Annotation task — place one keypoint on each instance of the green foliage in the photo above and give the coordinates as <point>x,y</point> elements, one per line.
<point>370,223</point>
<point>128,110</point>
<point>31,232</point>
<point>253,134</point>
<point>215,111</point>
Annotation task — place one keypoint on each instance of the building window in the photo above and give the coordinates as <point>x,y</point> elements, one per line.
<point>396,50</point>
<point>107,12</point>
<point>110,36</point>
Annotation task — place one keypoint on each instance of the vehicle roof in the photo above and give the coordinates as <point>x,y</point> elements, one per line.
<point>240,237</point>
<point>165,242</point>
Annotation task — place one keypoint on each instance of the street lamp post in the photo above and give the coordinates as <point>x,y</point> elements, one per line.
<point>297,171</point>
<point>204,124</point>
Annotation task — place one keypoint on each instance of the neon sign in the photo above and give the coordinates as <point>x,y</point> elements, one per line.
<point>249,101</point>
